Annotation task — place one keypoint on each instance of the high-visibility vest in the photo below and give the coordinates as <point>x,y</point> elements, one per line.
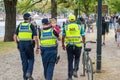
<point>73,35</point>
<point>25,32</point>
<point>47,38</point>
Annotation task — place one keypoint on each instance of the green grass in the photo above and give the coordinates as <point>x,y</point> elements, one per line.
<point>7,47</point>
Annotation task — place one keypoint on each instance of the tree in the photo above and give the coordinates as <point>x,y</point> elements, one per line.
<point>53,8</point>
<point>114,6</point>
<point>1,6</point>
<point>66,4</point>
<point>27,5</point>
<point>10,20</point>
<point>88,6</point>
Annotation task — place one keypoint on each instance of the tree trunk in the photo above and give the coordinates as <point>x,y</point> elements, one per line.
<point>10,20</point>
<point>87,11</point>
<point>76,13</point>
<point>53,9</point>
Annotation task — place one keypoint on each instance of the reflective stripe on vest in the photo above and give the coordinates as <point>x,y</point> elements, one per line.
<point>73,34</point>
<point>25,32</point>
<point>47,38</point>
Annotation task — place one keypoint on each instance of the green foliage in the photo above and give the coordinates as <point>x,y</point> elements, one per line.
<point>10,0</point>
<point>42,7</point>
<point>114,6</point>
<point>32,5</point>
<point>62,10</point>
<point>24,5</point>
<point>86,6</point>
<point>1,6</point>
<point>70,4</point>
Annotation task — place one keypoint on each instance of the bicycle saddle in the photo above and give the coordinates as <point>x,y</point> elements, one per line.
<point>87,49</point>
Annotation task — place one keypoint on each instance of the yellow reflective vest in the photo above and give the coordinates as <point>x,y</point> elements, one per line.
<point>25,32</point>
<point>73,35</point>
<point>47,38</point>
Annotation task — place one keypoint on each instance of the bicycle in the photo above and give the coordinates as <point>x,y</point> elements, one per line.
<point>87,62</point>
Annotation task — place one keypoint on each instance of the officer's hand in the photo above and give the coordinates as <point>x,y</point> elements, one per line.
<point>63,46</point>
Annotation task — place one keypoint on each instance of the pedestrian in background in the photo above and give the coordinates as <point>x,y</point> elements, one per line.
<point>48,47</point>
<point>26,37</point>
<point>56,27</point>
<point>34,22</point>
<point>115,26</point>
<point>118,32</point>
<point>110,22</point>
<point>37,27</point>
<point>74,36</point>
<point>53,23</point>
<point>63,24</point>
<point>104,30</point>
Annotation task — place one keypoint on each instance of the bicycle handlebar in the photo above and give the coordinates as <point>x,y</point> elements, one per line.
<point>89,42</point>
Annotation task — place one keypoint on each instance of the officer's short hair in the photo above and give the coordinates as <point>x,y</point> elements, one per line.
<point>45,21</point>
<point>27,16</point>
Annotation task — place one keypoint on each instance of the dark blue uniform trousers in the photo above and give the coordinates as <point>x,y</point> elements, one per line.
<point>48,59</point>
<point>27,57</point>
<point>73,56</point>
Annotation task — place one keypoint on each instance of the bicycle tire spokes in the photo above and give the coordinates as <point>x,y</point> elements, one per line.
<point>89,69</point>
<point>84,62</point>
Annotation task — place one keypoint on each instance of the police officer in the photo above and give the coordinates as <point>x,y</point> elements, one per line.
<point>26,37</point>
<point>74,35</point>
<point>48,47</point>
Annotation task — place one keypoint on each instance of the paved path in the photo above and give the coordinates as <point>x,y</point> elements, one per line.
<point>10,64</point>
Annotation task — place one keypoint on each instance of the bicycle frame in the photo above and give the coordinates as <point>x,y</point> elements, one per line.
<point>87,63</point>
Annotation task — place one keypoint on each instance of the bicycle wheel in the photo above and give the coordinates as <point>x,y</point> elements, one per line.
<point>89,69</point>
<point>83,62</point>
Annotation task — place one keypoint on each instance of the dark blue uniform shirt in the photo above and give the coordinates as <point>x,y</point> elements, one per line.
<point>34,33</point>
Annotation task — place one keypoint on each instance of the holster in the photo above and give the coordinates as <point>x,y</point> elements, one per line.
<point>18,45</point>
